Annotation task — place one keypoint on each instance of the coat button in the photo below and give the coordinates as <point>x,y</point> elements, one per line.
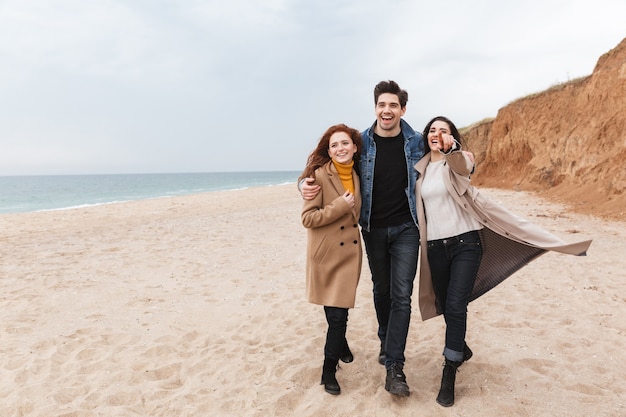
<point>342,227</point>
<point>355,242</point>
<point>354,225</point>
<point>340,243</point>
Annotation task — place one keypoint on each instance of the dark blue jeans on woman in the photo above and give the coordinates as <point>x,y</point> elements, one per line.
<point>392,256</point>
<point>454,264</point>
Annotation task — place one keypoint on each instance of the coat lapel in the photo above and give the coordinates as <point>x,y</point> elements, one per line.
<point>337,185</point>
<point>334,179</point>
<point>356,211</point>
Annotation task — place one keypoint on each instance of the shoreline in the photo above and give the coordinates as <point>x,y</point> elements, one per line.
<point>139,199</point>
<point>25,194</point>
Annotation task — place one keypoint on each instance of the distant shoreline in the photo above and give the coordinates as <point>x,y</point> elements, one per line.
<point>20,194</point>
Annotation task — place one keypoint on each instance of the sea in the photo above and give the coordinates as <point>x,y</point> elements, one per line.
<point>22,194</point>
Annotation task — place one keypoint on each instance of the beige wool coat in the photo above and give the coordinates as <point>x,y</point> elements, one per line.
<point>334,253</point>
<point>509,242</point>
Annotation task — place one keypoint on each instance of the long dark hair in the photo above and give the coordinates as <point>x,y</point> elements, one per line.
<point>320,156</point>
<point>453,131</point>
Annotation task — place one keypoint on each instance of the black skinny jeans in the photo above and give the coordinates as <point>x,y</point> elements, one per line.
<point>337,319</point>
<point>454,264</point>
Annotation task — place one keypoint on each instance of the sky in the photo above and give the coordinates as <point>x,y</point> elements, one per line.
<point>164,86</point>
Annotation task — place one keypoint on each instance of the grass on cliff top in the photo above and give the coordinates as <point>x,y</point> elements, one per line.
<point>554,87</point>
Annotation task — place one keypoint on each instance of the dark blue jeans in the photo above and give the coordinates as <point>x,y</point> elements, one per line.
<point>337,319</point>
<point>392,255</point>
<point>454,264</point>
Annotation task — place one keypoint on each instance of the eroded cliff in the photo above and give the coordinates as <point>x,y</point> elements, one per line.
<point>566,143</point>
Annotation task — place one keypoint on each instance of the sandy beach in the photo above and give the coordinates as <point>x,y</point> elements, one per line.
<point>194,306</point>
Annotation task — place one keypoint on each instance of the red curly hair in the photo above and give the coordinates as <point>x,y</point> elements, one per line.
<point>320,156</point>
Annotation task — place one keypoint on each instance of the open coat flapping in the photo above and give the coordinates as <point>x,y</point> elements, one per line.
<point>509,241</point>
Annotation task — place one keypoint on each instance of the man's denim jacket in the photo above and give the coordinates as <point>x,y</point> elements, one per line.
<point>413,150</point>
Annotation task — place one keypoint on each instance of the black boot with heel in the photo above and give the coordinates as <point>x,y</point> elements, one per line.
<point>446,392</point>
<point>329,380</point>
<point>467,353</point>
<point>346,353</point>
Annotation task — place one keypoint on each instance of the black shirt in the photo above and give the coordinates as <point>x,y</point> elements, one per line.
<point>390,202</point>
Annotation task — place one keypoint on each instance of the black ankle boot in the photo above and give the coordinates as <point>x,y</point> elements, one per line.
<point>467,353</point>
<point>346,354</point>
<point>446,392</point>
<point>329,380</point>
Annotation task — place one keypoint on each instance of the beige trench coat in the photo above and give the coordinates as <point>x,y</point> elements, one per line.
<point>509,242</point>
<point>334,254</point>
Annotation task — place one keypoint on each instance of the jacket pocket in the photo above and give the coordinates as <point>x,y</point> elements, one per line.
<point>321,251</point>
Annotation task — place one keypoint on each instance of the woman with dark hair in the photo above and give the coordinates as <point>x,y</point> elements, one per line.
<point>334,253</point>
<point>471,244</point>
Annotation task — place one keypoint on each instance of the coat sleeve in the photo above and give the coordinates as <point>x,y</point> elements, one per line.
<point>459,162</point>
<point>315,214</point>
<point>460,169</point>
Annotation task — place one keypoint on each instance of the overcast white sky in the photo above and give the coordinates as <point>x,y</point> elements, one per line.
<point>143,86</point>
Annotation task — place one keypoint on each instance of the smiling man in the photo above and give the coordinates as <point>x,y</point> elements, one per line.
<point>389,223</point>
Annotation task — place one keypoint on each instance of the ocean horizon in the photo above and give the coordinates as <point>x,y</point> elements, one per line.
<point>28,193</point>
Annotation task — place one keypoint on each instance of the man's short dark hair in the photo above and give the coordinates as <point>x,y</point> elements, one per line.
<point>391,87</point>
